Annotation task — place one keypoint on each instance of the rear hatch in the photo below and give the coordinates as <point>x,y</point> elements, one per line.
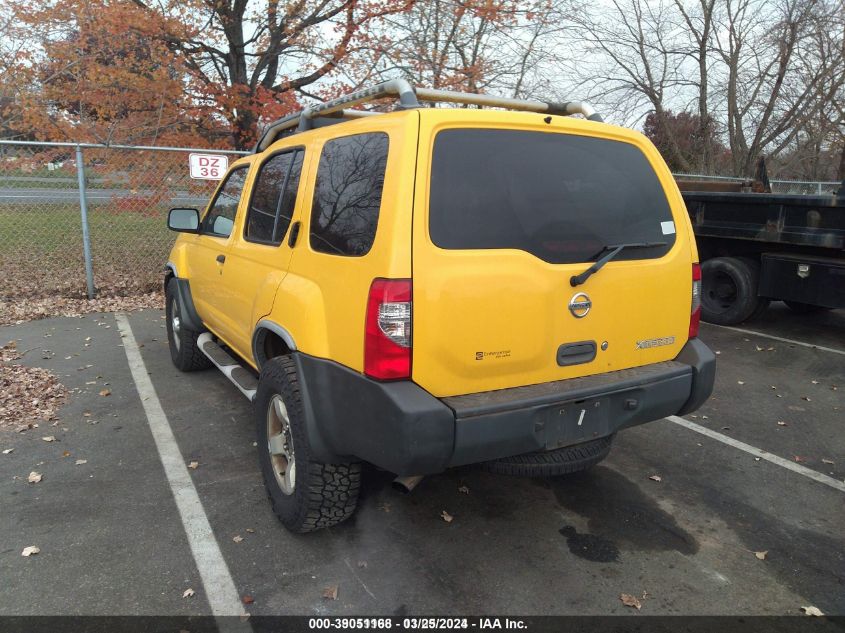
<point>508,209</point>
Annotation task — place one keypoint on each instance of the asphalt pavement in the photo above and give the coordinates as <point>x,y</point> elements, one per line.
<point>687,523</point>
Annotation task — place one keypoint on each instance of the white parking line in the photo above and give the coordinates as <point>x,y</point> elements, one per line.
<point>758,452</point>
<point>781,339</point>
<point>218,583</point>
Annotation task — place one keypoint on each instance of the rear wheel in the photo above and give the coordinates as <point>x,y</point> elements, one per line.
<point>562,461</point>
<point>306,495</point>
<point>729,290</point>
<point>184,351</point>
<point>805,308</point>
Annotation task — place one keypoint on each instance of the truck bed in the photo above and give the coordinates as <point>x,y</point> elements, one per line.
<point>799,220</point>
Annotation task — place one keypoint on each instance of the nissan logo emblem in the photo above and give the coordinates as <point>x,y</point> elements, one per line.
<point>579,305</point>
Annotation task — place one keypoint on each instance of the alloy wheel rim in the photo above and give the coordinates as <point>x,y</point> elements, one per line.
<point>175,324</point>
<point>280,445</point>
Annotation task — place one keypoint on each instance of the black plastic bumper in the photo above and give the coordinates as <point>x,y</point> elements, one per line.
<point>402,428</point>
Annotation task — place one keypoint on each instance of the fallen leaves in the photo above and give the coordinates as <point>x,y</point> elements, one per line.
<point>49,438</point>
<point>28,308</point>
<point>238,538</point>
<point>34,477</point>
<point>32,550</point>
<point>630,601</point>
<point>194,465</point>
<point>812,611</point>
<point>761,555</point>
<point>9,352</point>
<point>188,593</point>
<point>446,516</point>
<point>28,395</point>
<point>247,599</point>
<point>105,392</point>
<point>330,592</point>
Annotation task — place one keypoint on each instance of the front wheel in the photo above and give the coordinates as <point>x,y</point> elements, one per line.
<point>306,495</point>
<point>184,351</point>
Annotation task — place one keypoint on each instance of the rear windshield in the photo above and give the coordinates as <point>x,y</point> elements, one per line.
<point>560,197</point>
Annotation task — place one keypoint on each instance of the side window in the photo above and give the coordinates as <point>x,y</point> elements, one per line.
<point>347,194</point>
<point>273,198</point>
<point>221,215</point>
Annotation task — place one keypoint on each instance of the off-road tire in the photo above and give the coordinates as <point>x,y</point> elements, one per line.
<point>730,308</point>
<point>186,354</point>
<point>562,461</point>
<point>805,308</point>
<point>323,494</point>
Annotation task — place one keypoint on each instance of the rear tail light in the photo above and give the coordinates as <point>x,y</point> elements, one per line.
<point>387,338</point>
<point>695,308</point>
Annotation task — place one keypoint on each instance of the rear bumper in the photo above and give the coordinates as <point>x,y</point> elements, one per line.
<point>402,428</point>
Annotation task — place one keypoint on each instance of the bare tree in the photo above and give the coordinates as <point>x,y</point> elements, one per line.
<point>698,18</point>
<point>632,62</point>
<point>780,73</point>
<point>763,73</point>
<point>474,45</point>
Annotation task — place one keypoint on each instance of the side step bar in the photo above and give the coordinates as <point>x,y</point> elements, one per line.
<point>240,377</point>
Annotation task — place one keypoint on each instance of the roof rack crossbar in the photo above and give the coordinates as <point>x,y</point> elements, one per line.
<point>409,97</point>
<point>566,108</point>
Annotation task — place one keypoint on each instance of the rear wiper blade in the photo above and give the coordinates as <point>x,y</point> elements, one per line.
<point>613,251</point>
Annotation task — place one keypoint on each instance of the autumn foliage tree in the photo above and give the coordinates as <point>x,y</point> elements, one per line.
<point>137,70</point>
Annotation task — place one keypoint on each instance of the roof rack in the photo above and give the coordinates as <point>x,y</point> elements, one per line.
<point>335,111</point>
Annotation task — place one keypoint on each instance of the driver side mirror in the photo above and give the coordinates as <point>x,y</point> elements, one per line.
<point>183,220</point>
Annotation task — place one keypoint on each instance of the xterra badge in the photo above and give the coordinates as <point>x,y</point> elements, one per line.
<point>655,342</point>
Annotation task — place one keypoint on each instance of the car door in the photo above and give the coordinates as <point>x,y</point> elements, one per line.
<point>259,253</point>
<point>208,258</point>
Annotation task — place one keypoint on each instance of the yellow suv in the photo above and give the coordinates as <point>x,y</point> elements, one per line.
<point>433,287</point>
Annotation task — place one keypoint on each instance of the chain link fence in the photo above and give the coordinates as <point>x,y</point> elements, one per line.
<point>127,193</point>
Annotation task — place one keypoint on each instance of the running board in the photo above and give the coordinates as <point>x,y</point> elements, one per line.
<point>232,369</point>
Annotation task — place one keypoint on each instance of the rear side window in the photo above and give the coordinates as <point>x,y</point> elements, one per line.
<point>560,197</point>
<point>347,194</point>
<point>273,198</point>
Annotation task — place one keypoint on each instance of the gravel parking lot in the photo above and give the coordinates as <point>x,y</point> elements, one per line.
<point>738,509</point>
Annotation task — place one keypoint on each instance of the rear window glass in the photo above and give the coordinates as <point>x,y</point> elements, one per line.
<point>559,197</point>
<point>347,194</point>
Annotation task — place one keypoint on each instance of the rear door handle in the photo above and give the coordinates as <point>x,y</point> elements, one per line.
<point>576,353</point>
<point>294,233</point>
<point>221,258</point>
